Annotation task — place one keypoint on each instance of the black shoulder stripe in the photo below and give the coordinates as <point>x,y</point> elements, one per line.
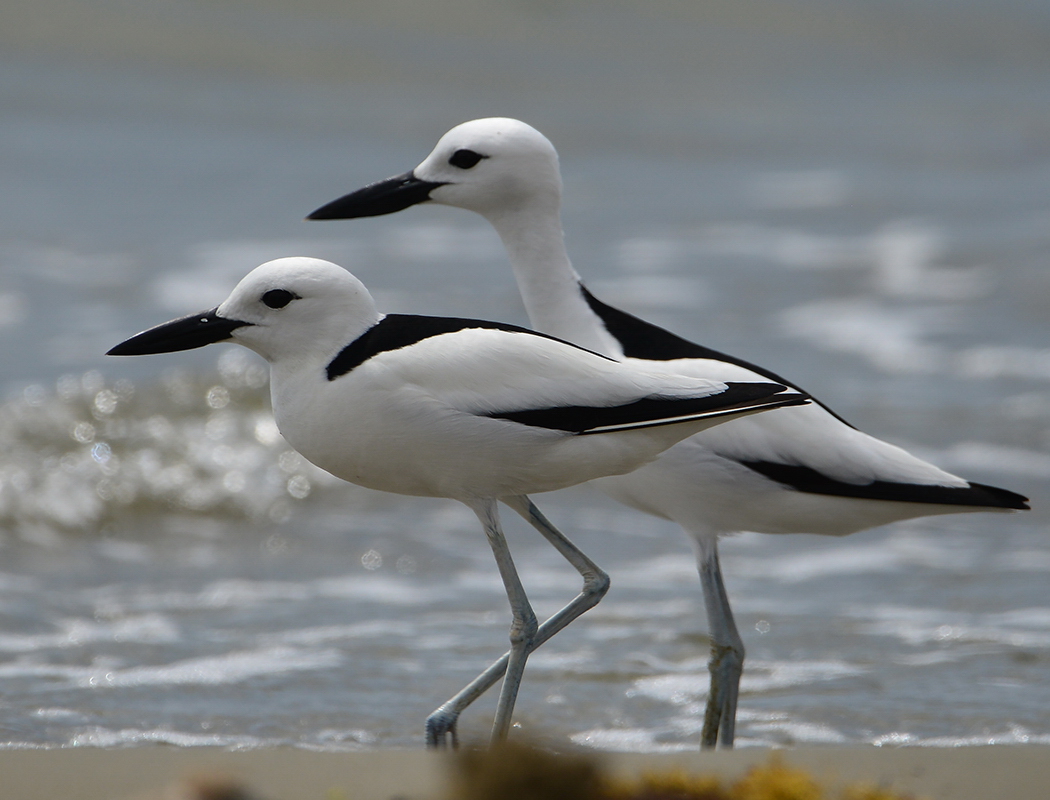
<point>395,331</point>
<point>641,339</point>
<point>580,419</point>
<point>806,479</point>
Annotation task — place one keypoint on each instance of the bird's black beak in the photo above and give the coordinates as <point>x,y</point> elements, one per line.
<point>379,198</point>
<point>185,333</point>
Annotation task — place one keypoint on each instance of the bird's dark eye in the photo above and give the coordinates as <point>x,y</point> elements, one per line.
<point>465,159</point>
<point>279,298</point>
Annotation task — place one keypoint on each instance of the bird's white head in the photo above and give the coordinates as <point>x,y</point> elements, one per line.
<point>493,165</point>
<point>294,306</point>
<point>301,309</point>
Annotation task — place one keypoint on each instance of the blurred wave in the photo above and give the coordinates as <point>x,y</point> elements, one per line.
<point>90,452</point>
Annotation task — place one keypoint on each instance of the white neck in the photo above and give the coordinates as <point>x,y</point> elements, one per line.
<point>548,284</point>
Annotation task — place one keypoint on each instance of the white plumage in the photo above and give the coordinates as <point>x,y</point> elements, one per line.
<point>466,409</point>
<point>802,470</point>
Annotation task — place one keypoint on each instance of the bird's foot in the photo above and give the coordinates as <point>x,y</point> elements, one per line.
<point>441,730</point>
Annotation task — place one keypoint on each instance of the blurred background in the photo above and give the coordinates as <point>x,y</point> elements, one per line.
<point>853,193</point>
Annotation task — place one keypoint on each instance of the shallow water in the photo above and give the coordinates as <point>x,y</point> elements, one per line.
<point>859,204</point>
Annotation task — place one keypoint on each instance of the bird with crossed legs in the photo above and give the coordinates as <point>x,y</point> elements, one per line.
<point>471,410</point>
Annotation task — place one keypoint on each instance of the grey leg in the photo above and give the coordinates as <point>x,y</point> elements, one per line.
<point>442,723</point>
<point>523,625</point>
<point>727,650</point>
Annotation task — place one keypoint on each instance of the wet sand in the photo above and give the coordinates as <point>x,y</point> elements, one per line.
<point>163,773</point>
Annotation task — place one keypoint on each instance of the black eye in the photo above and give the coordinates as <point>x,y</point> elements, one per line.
<point>279,298</point>
<point>465,159</point>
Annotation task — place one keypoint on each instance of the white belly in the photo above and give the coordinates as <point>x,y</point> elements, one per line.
<point>404,441</point>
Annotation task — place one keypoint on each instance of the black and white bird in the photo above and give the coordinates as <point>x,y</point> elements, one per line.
<point>802,470</point>
<point>466,409</point>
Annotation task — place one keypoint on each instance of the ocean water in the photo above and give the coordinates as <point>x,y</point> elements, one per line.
<point>856,195</point>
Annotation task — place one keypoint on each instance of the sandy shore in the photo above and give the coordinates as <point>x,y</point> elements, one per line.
<point>970,773</point>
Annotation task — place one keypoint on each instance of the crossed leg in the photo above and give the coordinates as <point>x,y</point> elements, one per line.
<point>441,725</point>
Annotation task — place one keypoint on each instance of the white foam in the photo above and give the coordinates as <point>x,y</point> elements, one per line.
<point>792,732</point>
<point>1016,734</point>
<point>25,668</point>
<point>654,663</point>
<point>624,611</point>
<point>996,458</point>
<point>664,570</point>
<point>339,740</point>
<point>125,552</point>
<point>901,257</point>
<point>627,740</point>
<point>928,659</point>
<point>923,626</point>
<point>1032,617</point>
<point>1023,561</point>
<point>146,629</point>
<point>379,628</point>
<point>989,362</point>
<point>674,689</point>
<point>923,633</point>
<point>789,247</point>
<point>785,674</point>
<point>240,593</point>
<point>896,340</point>
<point>128,737</point>
<point>230,593</point>
<point>890,338</point>
<point>216,670</point>
<point>14,308</point>
<point>58,713</point>
<point>385,589</point>
<point>760,676</point>
<point>838,559</point>
<point>905,253</point>
<point>654,292</point>
<point>550,661</point>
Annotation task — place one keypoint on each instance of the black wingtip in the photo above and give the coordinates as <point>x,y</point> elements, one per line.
<point>1001,498</point>
<point>973,496</point>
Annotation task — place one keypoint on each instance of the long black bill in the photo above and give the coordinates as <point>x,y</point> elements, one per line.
<point>185,333</point>
<point>379,198</point>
